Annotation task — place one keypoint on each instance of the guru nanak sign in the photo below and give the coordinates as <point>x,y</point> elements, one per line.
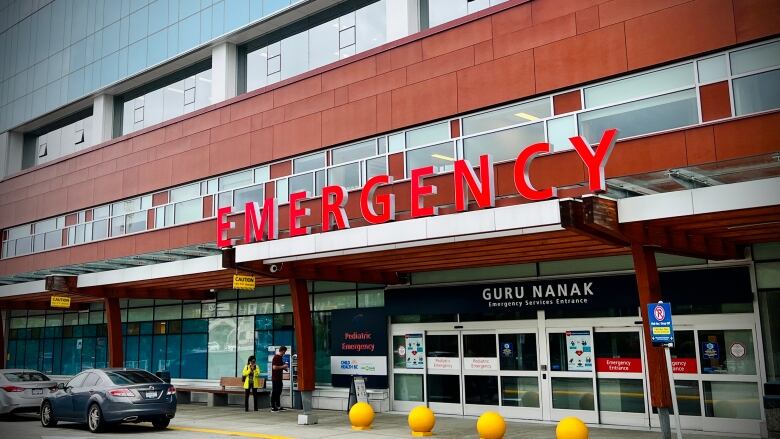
<point>262,223</point>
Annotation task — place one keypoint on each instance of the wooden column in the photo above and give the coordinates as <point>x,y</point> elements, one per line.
<point>649,287</point>
<point>304,333</point>
<point>3,354</point>
<point>116,356</point>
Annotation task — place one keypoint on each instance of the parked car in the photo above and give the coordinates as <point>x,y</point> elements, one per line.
<point>99,397</point>
<point>21,390</point>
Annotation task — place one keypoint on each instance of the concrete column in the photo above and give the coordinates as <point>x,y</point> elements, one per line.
<point>102,119</point>
<point>224,72</point>
<point>11,153</point>
<point>114,326</point>
<point>403,18</point>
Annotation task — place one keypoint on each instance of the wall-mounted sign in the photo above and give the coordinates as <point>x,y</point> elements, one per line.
<point>358,339</point>
<point>263,223</point>
<point>443,363</point>
<point>243,282</point>
<point>737,349</point>
<point>60,302</point>
<point>579,351</point>
<point>625,365</point>
<point>710,350</point>
<point>480,363</point>
<point>415,351</point>
<point>507,350</point>
<point>684,365</point>
<point>363,365</point>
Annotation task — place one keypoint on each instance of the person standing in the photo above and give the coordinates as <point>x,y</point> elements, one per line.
<point>278,366</point>
<point>251,377</point>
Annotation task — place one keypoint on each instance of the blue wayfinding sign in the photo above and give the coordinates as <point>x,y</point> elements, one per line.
<point>660,317</point>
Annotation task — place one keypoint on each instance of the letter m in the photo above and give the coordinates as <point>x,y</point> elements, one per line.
<point>267,228</point>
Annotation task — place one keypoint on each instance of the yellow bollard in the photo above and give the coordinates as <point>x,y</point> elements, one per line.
<point>421,421</point>
<point>361,415</point>
<point>571,428</point>
<point>491,425</point>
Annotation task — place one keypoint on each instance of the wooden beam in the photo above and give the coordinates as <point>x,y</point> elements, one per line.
<point>146,293</point>
<point>649,287</point>
<point>304,333</point>
<point>40,305</point>
<point>334,273</point>
<point>114,326</point>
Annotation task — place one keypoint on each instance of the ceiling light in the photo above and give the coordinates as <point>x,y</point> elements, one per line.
<point>443,157</point>
<point>527,116</point>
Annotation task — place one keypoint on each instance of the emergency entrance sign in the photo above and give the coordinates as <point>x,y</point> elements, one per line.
<point>660,317</point>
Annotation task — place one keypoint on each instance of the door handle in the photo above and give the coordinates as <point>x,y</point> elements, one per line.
<point>544,376</point>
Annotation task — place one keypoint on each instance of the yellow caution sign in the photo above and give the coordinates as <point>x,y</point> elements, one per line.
<point>663,330</point>
<point>243,282</point>
<point>60,302</point>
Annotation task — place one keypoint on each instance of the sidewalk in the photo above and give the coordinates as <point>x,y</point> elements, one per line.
<point>217,421</point>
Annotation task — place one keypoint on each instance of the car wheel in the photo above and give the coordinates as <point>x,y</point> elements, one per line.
<point>161,423</point>
<point>95,419</point>
<point>47,415</point>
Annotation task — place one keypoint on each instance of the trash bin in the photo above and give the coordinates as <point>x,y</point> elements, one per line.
<point>164,375</point>
<point>772,405</point>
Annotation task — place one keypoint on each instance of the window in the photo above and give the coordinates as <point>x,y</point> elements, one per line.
<point>130,377</point>
<point>353,152</point>
<point>136,222</point>
<point>426,135</point>
<point>185,193</point>
<point>347,176</point>
<point>188,211</point>
<point>639,86</point>
<point>502,145</point>
<point>309,163</point>
<point>441,157</point>
<point>756,93</point>
<point>233,181</point>
<point>253,193</point>
<point>755,58</point>
<point>503,117</point>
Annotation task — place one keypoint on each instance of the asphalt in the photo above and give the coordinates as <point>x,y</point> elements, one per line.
<point>198,421</point>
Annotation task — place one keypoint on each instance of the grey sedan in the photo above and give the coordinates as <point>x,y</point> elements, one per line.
<point>98,397</point>
<point>22,390</point>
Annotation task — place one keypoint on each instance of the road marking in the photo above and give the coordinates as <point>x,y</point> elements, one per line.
<point>228,433</point>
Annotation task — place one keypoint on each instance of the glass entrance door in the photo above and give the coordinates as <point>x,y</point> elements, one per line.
<point>570,389</point>
<point>480,372</point>
<point>518,355</point>
<point>620,381</point>
<point>443,378</point>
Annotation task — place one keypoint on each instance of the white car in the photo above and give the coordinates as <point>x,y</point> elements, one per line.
<point>22,390</point>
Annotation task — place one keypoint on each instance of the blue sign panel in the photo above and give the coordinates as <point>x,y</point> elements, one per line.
<point>660,317</point>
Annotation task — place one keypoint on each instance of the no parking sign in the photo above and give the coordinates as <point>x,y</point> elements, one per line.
<point>659,315</point>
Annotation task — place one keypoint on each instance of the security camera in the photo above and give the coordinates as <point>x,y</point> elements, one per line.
<point>275,268</point>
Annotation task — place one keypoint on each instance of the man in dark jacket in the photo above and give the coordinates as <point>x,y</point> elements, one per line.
<point>278,366</point>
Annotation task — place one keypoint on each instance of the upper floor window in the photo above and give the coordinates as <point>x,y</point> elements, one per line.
<point>436,12</point>
<point>57,140</point>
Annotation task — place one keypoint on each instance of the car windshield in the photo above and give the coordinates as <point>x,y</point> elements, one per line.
<point>18,377</point>
<point>132,377</point>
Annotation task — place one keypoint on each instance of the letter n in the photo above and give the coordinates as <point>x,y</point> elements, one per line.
<point>484,191</point>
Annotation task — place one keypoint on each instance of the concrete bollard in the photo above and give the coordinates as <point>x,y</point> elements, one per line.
<point>491,425</point>
<point>421,421</point>
<point>571,428</point>
<point>361,415</point>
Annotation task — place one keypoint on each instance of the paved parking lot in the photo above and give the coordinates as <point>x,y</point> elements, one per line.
<point>197,421</point>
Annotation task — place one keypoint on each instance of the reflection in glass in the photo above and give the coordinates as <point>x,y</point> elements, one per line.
<point>502,145</point>
<point>504,117</point>
<point>301,183</point>
<point>441,157</point>
<point>731,400</point>
<point>375,166</point>
<point>517,351</point>
<point>621,395</point>
<point>640,85</point>
<point>519,391</point>
<point>347,176</point>
<point>481,389</point>
<point>248,194</point>
<point>222,347</point>
<point>442,345</point>
<point>407,387</point>
<point>426,135</point>
<point>479,345</point>
<point>353,152</point>
<point>756,93</point>
<point>444,388</point>
<point>188,211</point>
<point>755,58</point>
<point>572,393</point>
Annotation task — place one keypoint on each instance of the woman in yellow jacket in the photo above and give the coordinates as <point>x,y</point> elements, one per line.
<point>250,375</point>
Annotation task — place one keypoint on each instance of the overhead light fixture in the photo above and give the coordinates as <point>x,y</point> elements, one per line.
<point>527,116</point>
<point>443,157</point>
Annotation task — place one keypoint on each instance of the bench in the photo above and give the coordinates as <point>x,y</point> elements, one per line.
<point>218,396</point>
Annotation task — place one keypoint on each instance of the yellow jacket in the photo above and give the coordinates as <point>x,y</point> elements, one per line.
<point>255,377</point>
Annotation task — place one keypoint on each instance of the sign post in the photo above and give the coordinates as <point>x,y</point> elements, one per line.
<point>659,315</point>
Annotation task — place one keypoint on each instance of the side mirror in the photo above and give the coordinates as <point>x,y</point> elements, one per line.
<point>61,386</point>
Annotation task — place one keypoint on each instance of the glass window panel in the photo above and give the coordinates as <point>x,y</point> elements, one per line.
<point>375,166</point>
<point>53,239</point>
<point>46,226</point>
<point>100,212</point>
<point>185,192</point>
<point>517,351</point>
<point>519,391</point>
<point>282,190</point>
<point>295,55</point>
<point>768,275</point>
<point>236,180</point>
<point>202,89</point>
<point>256,69</point>
<point>118,226</point>
<point>188,211</point>
<point>370,26</point>
<point>371,298</point>
<point>300,183</point>
<point>262,174</point>
<point>481,390</point>
<point>441,157</point>
<point>222,348</point>
<point>755,58</point>
<point>638,86</point>
<point>756,93</point>
<point>193,354</point>
<point>100,229</point>
<point>445,346</point>
<point>617,345</point>
<point>731,400</point>
<point>516,114</point>
<point>173,100</point>
<point>140,314</point>
<point>136,222</point>
<point>727,352</point>
<point>641,117</point>
<point>246,195</point>
<point>444,388</point>
<point>170,312</point>
<point>347,176</point>
<point>396,142</point>
<point>260,305</point>
<point>426,135</point>
<point>560,130</point>
<point>408,387</point>
<point>191,311</point>
<point>572,393</point>
<point>340,300</point>
<point>324,44</point>
<point>502,145</point>
<point>712,69</point>
<point>479,345</point>
<point>153,107</point>
<point>621,395</point>
<point>309,163</point>
<point>225,199</point>
<point>442,11</point>
<point>353,152</point>
<point>227,309</point>
<point>282,304</point>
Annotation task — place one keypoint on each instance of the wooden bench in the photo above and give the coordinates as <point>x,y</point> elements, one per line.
<point>218,396</point>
